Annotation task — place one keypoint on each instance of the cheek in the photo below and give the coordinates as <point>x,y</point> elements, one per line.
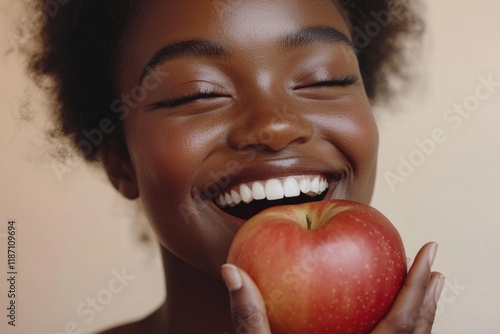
<point>352,129</point>
<point>168,154</point>
<point>362,136</point>
<point>163,163</point>
<point>167,159</point>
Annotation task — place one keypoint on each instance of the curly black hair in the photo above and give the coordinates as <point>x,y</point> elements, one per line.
<point>80,41</point>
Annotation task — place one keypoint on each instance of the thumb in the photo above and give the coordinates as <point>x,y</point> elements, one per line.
<point>248,309</point>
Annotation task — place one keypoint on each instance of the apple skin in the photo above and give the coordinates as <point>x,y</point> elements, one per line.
<point>340,275</point>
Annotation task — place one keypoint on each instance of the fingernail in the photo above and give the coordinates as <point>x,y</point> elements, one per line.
<point>432,253</point>
<point>231,276</point>
<point>439,287</point>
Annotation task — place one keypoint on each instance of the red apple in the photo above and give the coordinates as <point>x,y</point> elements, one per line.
<point>322,267</point>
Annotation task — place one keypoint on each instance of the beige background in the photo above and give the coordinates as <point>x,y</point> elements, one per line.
<point>75,232</point>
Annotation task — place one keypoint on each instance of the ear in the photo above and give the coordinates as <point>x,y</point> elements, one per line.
<point>118,166</point>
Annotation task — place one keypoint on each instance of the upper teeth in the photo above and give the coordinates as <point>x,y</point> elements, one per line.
<point>272,189</point>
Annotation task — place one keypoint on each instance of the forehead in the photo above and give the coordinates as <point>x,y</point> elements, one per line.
<point>245,25</point>
<point>189,15</point>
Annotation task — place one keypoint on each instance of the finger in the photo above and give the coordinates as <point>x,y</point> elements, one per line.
<point>247,306</point>
<point>429,306</point>
<point>405,312</point>
<point>414,288</point>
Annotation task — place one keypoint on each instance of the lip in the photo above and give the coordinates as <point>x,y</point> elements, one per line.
<point>236,223</point>
<point>263,170</point>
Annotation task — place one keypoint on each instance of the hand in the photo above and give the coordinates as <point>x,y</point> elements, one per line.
<point>248,309</point>
<point>413,310</point>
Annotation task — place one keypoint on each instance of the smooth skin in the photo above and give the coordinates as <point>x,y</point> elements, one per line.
<point>251,90</point>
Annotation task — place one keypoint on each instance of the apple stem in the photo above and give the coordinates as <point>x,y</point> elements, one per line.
<point>309,222</point>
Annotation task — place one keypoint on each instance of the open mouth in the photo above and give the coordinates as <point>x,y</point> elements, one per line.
<point>247,199</point>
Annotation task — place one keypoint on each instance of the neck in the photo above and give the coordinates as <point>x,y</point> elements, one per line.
<point>196,302</point>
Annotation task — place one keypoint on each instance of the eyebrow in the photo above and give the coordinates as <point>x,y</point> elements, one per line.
<point>201,48</point>
<point>312,35</point>
<point>194,48</point>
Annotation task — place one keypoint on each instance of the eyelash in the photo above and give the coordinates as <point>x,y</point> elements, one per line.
<point>348,80</point>
<point>190,97</point>
<point>345,81</point>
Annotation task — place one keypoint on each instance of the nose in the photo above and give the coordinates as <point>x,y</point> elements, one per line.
<point>269,127</point>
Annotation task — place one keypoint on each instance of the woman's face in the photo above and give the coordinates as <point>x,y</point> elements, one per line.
<point>242,99</point>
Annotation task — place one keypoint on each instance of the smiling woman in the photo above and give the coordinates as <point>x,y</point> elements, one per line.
<point>248,76</point>
<point>227,109</point>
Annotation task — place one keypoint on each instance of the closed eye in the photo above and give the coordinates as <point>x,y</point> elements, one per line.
<point>348,80</point>
<point>189,98</point>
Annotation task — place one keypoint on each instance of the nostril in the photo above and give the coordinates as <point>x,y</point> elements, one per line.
<point>266,131</point>
<point>261,147</point>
